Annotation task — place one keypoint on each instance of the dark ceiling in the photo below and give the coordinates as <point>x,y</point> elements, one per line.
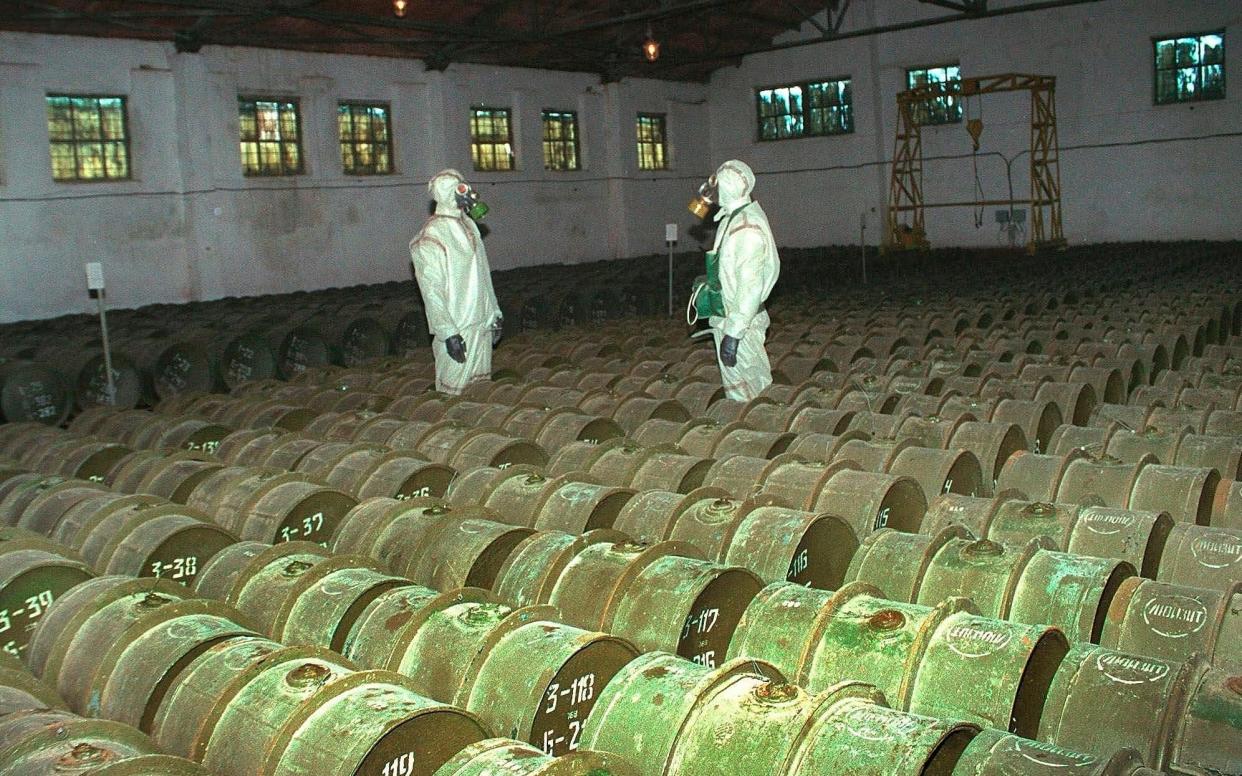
<point>696,36</point>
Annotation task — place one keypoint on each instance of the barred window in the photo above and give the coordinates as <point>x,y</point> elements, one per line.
<point>652,142</point>
<point>560,140</point>
<point>809,109</point>
<point>491,139</point>
<point>946,109</point>
<point>89,138</point>
<point>1190,68</point>
<point>271,136</point>
<point>366,138</point>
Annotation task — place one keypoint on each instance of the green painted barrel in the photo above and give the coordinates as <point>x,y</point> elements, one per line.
<point>31,580</point>
<point>854,733</point>
<point>995,752</point>
<point>33,392</point>
<point>779,544</point>
<point>1207,741</point>
<point>1071,592</point>
<point>539,682</point>
<point>530,572</point>
<point>389,623</point>
<point>1199,556</point>
<point>322,608</point>
<point>514,758</point>
<point>1174,621</point>
<point>1102,700</point>
<point>643,712</point>
<point>895,562</point>
<point>983,570</point>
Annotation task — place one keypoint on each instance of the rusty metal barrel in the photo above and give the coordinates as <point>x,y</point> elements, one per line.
<point>872,501</point>
<point>33,575</point>
<point>1173,621</point>
<point>1199,556</point>
<point>47,742</point>
<point>1036,475</point>
<point>1072,592</point>
<point>1185,493</point>
<point>577,505</point>
<point>1092,699</point>
<point>659,694</point>
<point>896,562</point>
<point>995,752</point>
<point>853,724</point>
<point>466,553</point>
<point>531,571</point>
<point>682,605</point>
<point>779,544</point>
<point>984,571</point>
<point>1207,741</point>
<point>514,758</point>
<point>323,606</point>
<point>390,622</point>
<point>255,577</point>
<point>540,681</point>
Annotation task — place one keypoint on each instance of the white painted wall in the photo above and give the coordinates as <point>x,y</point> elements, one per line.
<point>815,189</point>
<point>190,226</point>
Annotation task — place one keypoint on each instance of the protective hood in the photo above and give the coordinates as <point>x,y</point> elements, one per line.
<point>734,182</point>
<point>443,188</point>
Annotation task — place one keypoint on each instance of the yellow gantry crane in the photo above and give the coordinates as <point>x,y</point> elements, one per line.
<point>905,230</point>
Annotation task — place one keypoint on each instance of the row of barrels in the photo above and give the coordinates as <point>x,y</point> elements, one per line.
<point>324,592</point>
<point>675,623</point>
<point>232,351</point>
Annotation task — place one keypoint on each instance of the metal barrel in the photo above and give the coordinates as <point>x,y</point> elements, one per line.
<point>1071,592</point>
<point>942,471</point>
<point>322,608</point>
<point>137,671</point>
<point>1036,475</point>
<point>1199,556</point>
<point>529,574</point>
<point>466,553</point>
<point>1185,493</point>
<point>992,443</point>
<point>661,694</point>
<point>177,477</point>
<point>1101,480</point>
<point>171,542</point>
<point>33,575</point>
<point>32,392</point>
<point>1092,702</point>
<point>871,501</point>
<point>779,544</point>
<point>588,590</point>
<point>576,505</point>
<point>81,520</point>
<point>683,605</point>
<point>53,742</point>
<point>1221,453</point>
<point>1207,740</point>
<point>705,518</point>
<point>995,752</point>
<point>983,570</point>
<point>972,513</point>
<point>505,755</point>
<point>385,627</point>
<point>46,509</point>
<point>299,510</point>
<point>516,493</point>
<point>540,681</point>
<point>853,731</point>
<point>896,562</point>
<point>88,624</point>
<point>240,573</point>
<point>1173,621</point>
<point>401,476</point>
<point>438,655</point>
<point>1011,664</point>
<point>669,470</point>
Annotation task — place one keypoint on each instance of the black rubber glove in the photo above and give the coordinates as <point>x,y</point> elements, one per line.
<point>456,348</point>
<point>728,350</point>
<point>498,330</point>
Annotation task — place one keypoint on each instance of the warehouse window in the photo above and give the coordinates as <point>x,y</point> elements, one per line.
<point>806,110</point>
<point>89,138</point>
<point>937,110</point>
<point>652,145</point>
<point>560,140</point>
<point>271,136</point>
<point>491,138</point>
<point>366,138</point>
<point>1190,68</point>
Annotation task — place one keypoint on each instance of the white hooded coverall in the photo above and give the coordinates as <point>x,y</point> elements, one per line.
<point>455,279</point>
<point>749,267</point>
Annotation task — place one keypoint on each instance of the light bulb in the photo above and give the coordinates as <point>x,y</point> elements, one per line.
<point>651,49</point>
<point>398,8</point>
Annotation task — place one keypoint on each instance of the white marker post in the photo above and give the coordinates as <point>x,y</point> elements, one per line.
<point>95,282</point>
<point>862,243</point>
<point>670,238</point>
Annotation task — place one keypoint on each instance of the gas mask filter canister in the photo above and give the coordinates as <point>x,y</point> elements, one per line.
<point>702,203</point>
<point>468,200</point>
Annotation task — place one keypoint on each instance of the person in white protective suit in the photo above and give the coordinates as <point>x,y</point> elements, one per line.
<point>748,266</point>
<point>455,279</point>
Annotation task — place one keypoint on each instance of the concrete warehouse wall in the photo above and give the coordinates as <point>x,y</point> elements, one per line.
<point>1128,186</point>
<point>190,226</point>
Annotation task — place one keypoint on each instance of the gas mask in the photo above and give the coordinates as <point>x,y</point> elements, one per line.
<point>702,203</point>
<point>468,200</point>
